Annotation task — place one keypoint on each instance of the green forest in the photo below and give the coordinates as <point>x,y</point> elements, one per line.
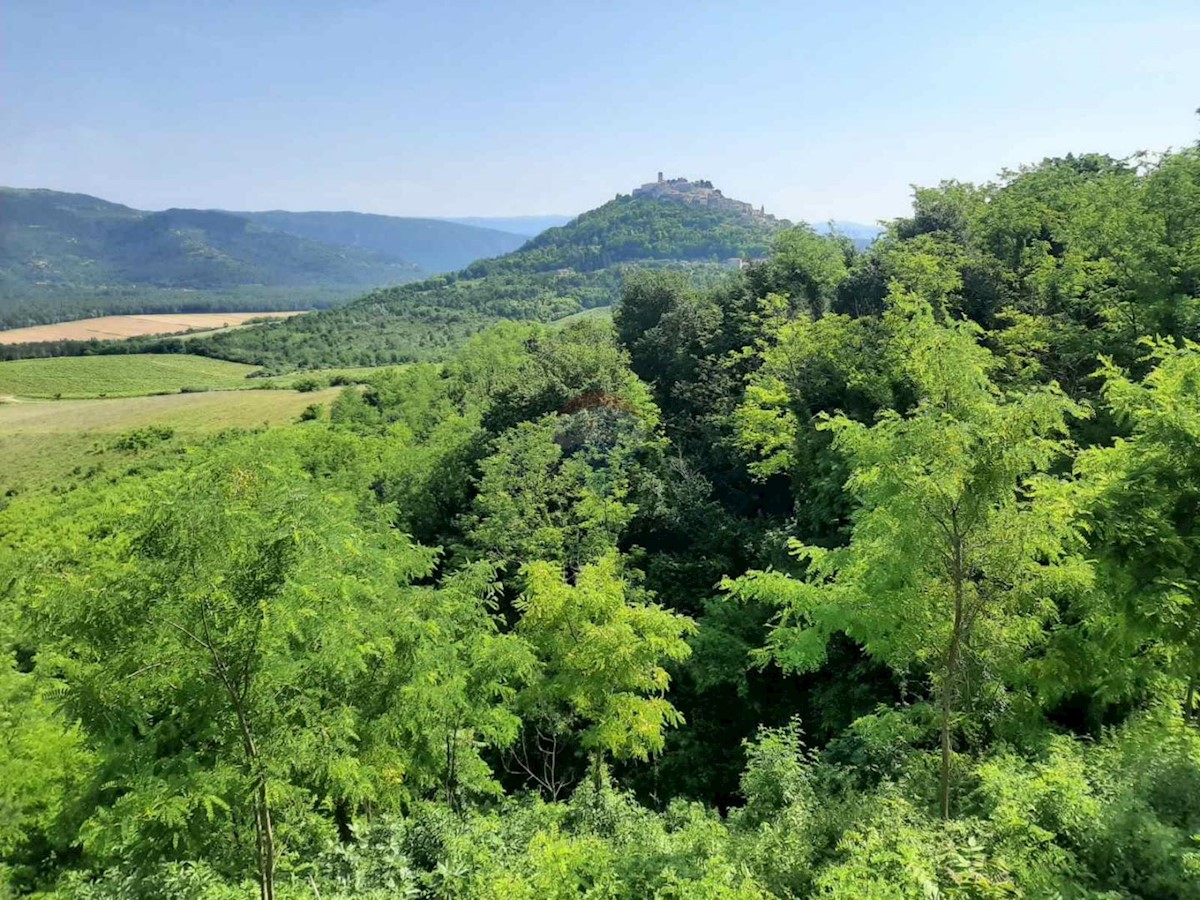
<point>851,573</point>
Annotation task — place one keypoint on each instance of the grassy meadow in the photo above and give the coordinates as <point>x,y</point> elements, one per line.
<point>136,375</point>
<point>79,377</point>
<point>602,313</point>
<point>44,441</point>
<point>74,416</point>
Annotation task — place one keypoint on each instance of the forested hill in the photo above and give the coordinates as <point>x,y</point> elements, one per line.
<point>436,245</point>
<point>632,228</point>
<point>66,256</point>
<point>578,266</point>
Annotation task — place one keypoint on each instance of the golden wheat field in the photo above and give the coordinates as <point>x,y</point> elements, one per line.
<point>114,328</point>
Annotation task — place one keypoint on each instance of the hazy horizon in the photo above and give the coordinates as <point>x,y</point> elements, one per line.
<point>466,110</point>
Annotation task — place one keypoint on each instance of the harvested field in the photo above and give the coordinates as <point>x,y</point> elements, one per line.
<point>115,328</point>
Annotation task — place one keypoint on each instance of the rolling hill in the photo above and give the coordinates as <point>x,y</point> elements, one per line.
<point>67,256</point>
<point>70,256</point>
<point>577,266</point>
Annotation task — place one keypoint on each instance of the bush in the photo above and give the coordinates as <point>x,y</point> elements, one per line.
<point>141,438</point>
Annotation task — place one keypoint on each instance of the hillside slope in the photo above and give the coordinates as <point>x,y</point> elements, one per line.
<point>436,245</point>
<point>66,256</point>
<point>633,228</point>
<point>578,266</point>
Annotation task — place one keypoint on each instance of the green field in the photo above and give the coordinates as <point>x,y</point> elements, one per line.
<point>602,313</point>
<point>77,377</point>
<point>138,375</point>
<point>45,441</point>
<point>61,415</point>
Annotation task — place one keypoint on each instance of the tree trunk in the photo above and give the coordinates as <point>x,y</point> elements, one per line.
<point>1189,703</point>
<point>947,758</point>
<point>950,673</point>
<point>451,785</point>
<point>264,832</point>
<point>266,842</point>
<point>598,771</point>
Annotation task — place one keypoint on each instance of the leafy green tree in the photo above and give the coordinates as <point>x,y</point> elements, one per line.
<point>44,765</point>
<point>246,645</point>
<point>808,268</point>
<point>646,297</point>
<point>808,368</point>
<point>1141,496</point>
<point>562,370</point>
<point>538,501</point>
<point>602,647</point>
<point>958,548</point>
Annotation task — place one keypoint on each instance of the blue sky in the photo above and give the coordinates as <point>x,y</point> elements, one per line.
<point>816,110</point>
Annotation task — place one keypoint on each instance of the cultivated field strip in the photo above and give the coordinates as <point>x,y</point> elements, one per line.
<point>115,328</point>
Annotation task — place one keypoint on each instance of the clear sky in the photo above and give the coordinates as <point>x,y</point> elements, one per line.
<point>446,108</point>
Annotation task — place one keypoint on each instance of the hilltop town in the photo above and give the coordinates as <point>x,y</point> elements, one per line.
<point>699,193</point>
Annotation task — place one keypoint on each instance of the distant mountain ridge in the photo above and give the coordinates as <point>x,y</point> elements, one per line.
<point>862,235</point>
<point>75,240</point>
<point>65,256</point>
<point>68,256</point>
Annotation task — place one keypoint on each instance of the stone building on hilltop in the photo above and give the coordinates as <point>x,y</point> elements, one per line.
<point>699,193</point>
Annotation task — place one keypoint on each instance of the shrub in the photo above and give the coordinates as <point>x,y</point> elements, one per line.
<point>141,438</point>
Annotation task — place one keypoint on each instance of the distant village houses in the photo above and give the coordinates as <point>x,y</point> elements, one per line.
<point>699,193</point>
